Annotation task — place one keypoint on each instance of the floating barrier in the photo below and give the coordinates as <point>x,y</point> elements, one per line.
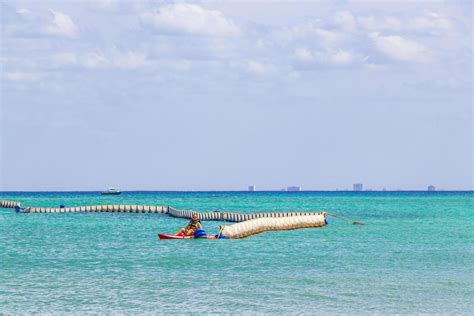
<point>232,217</point>
<point>171,211</point>
<point>93,208</point>
<point>246,224</point>
<point>9,204</point>
<point>264,224</point>
<point>100,209</point>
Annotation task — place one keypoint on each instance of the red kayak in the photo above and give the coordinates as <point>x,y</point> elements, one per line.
<point>166,236</point>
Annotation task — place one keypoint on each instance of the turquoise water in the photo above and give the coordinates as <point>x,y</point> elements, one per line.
<point>415,255</point>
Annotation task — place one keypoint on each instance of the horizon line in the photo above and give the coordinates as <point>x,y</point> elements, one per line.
<point>256,191</point>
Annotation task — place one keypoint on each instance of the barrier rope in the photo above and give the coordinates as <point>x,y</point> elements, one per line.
<point>346,219</point>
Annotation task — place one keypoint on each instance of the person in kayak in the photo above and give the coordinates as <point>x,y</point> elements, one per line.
<point>194,224</point>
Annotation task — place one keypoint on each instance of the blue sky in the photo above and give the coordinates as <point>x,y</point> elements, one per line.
<point>217,95</point>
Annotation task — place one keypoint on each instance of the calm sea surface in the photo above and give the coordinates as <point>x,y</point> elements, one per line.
<point>415,255</point>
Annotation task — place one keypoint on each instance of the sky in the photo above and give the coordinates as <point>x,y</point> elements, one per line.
<point>220,95</point>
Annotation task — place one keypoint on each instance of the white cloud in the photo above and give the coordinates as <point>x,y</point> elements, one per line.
<point>94,60</point>
<point>66,58</point>
<point>335,58</point>
<point>334,39</point>
<point>399,48</point>
<point>130,60</point>
<point>309,32</point>
<point>430,22</point>
<point>345,20</point>
<point>303,54</point>
<point>190,19</point>
<point>105,3</point>
<point>380,24</point>
<point>329,38</point>
<point>341,58</point>
<point>111,59</point>
<point>23,11</point>
<point>255,67</point>
<point>22,76</point>
<point>62,25</point>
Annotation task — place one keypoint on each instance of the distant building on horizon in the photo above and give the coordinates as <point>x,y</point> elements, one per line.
<point>358,187</point>
<point>293,189</point>
<point>431,188</point>
<point>252,188</point>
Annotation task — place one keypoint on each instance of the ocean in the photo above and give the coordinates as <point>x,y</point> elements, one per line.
<point>414,255</point>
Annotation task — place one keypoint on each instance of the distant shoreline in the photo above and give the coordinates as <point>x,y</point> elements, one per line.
<point>256,192</point>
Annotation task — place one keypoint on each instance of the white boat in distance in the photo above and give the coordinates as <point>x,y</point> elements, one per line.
<point>111,191</point>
